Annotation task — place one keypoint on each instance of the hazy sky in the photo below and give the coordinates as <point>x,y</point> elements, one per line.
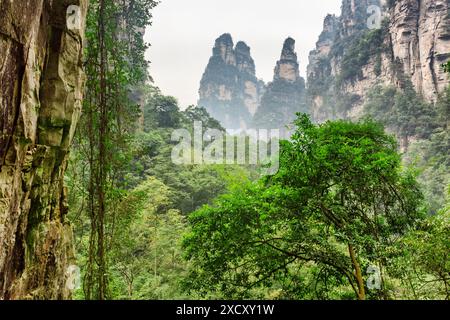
<point>183,35</point>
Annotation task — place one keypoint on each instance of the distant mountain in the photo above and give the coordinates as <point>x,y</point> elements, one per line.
<point>351,58</point>
<point>229,89</point>
<point>231,93</point>
<point>285,95</point>
<point>357,52</point>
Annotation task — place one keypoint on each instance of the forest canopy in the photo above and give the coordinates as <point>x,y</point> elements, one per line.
<point>347,216</point>
<point>340,204</point>
<point>335,186</point>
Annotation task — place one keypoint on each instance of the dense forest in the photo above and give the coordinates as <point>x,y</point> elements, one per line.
<point>358,209</point>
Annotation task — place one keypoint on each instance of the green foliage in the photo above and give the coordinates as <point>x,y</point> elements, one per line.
<point>423,258</point>
<point>114,65</point>
<point>432,159</point>
<point>403,112</point>
<point>193,113</point>
<point>146,260</point>
<point>161,112</point>
<point>148,202</point>
<point>410,118</point>
<point>446,67</point>
<point>357,51</point>
<point>340,189</point>
<point>192,185</point>
<point>341,201</point>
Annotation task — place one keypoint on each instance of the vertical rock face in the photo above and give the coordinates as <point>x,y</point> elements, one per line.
<point>350,58</point>
<point>420,33</point>
<point>326,40</point>
<point>229,89</point>
<point>41,85</point>
<point>354,15</point>
<point>287,68</point>
<point>285,96</point>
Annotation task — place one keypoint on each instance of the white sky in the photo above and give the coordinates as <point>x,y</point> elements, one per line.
<point>184,31</point>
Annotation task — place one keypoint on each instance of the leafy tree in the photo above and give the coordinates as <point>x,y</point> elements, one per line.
<point>338,203</point>
<point>114,64</point>
<point>431,156</point>
<point>423,258</point>
<point>161,112</point>
<point>443,109</point>
<point>432,160</point>
<point>146,257</point>
<point>193,113</point>
<point>192,185</point>
<point>403,112</point>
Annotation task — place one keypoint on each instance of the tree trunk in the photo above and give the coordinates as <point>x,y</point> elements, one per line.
<point>358,274</point>
<point>102,177</point>
<point>41,86</point>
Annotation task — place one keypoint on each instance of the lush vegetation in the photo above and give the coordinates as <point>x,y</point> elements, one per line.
<point>357,50</point>
<point>351,213</point>
<point>340,205</point>
<point>422,129</point>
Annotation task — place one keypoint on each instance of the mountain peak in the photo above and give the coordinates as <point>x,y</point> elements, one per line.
<point>224,48</point>
<point>244,60</point>
<point>287,67</point>
<point>229,89</point>
<point>288,52</point>
<point>225,38</point>
<point>242,48</point>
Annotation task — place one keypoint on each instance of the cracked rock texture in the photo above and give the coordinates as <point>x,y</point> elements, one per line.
<point>420,36</point>
<point>413,43</point>
<point>41,86</point>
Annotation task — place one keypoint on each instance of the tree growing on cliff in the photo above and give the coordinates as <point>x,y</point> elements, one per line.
<point>114,65</point>
<point>338,203</point>
<point>402,111</point>
<point>446,67</point>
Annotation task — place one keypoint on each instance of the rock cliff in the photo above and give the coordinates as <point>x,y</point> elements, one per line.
<point>229,89</point>
<point>285,95</point>
<point>420,39</point>
<point>232,94</point>
<point>351,56</point>
<point>41,86</point>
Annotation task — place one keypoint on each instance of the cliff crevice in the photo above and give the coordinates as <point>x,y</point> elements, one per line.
<point>351,58</point>
<point>41,88</point>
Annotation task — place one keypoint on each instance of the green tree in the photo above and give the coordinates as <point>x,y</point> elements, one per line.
<point>431,156</point>
<point>193,113</point>
<point>423,258</point>
<point>161,111</point>
<point>146,260</point>
<point>403,112</point>
<point>114,64</point>
<point>338,203</point>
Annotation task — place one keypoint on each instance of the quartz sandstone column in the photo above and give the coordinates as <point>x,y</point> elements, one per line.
<point>41,87</point>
